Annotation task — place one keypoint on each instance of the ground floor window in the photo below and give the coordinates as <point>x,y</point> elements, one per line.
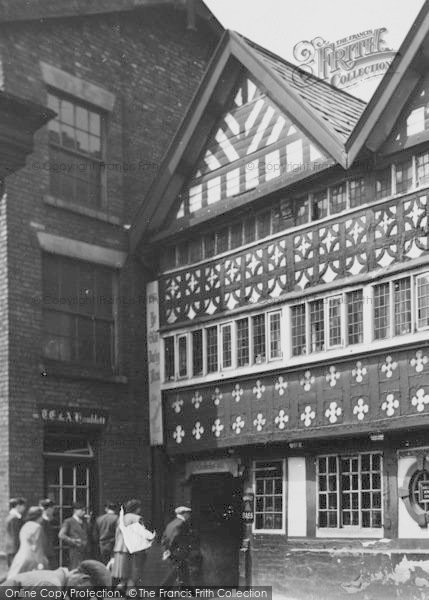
<point>269,496</point>
<point>349,491</point>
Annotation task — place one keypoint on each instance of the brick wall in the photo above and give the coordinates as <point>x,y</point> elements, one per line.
<point>152,63</point>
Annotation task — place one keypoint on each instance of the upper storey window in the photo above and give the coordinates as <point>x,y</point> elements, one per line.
<point>76,149</point>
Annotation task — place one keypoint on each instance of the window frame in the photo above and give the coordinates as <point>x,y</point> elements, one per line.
<point>70,310</point>
<point>271,314</point>
<point>222,327</point>
<point>284,497</point>
<point>416,302</point>
<point>61,96</point>
<point>349,531</point>
<point>179,338</point>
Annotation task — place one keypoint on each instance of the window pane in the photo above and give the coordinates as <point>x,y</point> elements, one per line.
<point>226,346</point>
<point>212,353</point>
<point>282,216</point>
<point>402,305</point>
<point>183,356</point>
<point>258,328</point>
<point>103,343</point>
<point>381,311</point>
<point>58,338</point>
<point>195,250</point>
<point>183,253</point>
<point>423,301</point>
<point>338,199</point>
<point>236,235</point>
<point>263,224</point>
<point>168,258</point>
<point>275,335</point>
<point>319,205</point>
<point>298,330</point>
<point>209,245</point>
<point>301,210</point>
<point>383,183</point>
<point>249,230</point>
<point>169,358</point>
<point>85,340</point>
<point>317,326</point>
<point>355,317</point>
<point>404,176</point>
<point>422,162</point>
<point>242,342</point>
<point>197,352</point>
<point>222,240</point>
<point>334,317</point>
<point>357,192</point>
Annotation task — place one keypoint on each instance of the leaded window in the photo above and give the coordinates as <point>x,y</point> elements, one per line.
<point>75,150</point>
<point>269,495</point>
<point>350,491</point>
<point>242,342</point>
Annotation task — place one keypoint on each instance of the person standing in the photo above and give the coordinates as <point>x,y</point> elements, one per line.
<point>14,523</point>
<point>180,546</point>
<point>128,568</point>
<point>48,507</point>
<point>31,553</point>
<point>105,532</point>
<point>74,535</point>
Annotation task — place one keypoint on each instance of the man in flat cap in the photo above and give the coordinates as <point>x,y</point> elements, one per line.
<point>14,523</point>
<point>181,546</point>
<point>48,507</point>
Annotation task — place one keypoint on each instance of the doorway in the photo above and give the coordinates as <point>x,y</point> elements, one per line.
<point>216,516</point>
<point>69,478</point>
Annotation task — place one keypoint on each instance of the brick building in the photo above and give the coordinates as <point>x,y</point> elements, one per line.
<point>292,294</point>
<point>118,75</point>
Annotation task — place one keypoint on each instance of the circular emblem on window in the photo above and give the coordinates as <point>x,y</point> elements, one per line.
<point>415,490</point>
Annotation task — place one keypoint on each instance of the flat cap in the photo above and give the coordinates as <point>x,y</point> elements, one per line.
<point>182,509</point>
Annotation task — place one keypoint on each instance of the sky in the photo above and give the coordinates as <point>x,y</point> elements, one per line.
<point>281,24</point>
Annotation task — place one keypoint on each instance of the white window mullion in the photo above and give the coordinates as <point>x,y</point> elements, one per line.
<point>286,333</point>
<point>392,308</point>
<point>413,300</point>
<point>204,342</point>
<point>344,332</point>
<point>368,314</point>
<point>414,181</point>
<point>307,329</point>
<point>393,178</point>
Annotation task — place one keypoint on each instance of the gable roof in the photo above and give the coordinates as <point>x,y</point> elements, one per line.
<point>339,109</point>
<point>403,75</point>
<point>30,10</point>
<point>322,112</point>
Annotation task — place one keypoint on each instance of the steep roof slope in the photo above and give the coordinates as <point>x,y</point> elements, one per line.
<point>337,108</point>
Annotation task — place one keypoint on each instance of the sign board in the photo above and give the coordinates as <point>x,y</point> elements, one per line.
<point>72,416</point>
<point>154,364</point>
<point>215,465</point>
<point>423,491</point>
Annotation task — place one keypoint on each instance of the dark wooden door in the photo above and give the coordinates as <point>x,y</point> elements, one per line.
<point>216,516</point>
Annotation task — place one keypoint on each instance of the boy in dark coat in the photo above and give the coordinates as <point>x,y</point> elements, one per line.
<point>74,535</point>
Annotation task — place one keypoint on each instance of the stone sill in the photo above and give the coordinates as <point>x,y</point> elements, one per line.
<point>356,546</point>
<point>58,369</point>
<point>82,210</point>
